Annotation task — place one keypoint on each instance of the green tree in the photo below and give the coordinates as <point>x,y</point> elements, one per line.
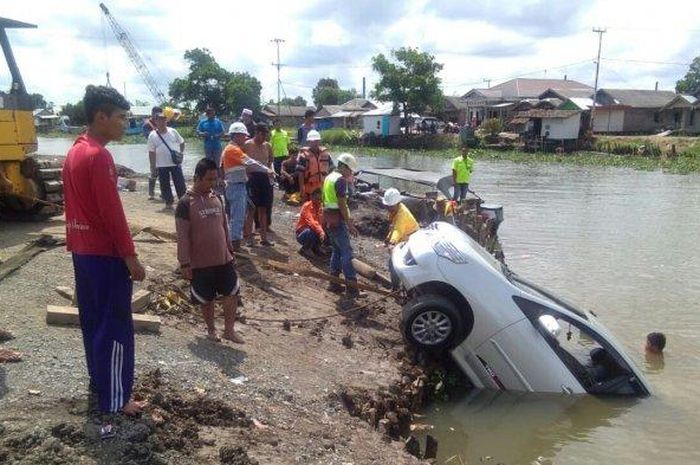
<point>242,91</point>
<point>327,92</point>
<point>38,101</point>
<point>75,113</point>
<point>297,101</point>
<point>207,83</point>
<point>690,84</point>
<point>409,80</point>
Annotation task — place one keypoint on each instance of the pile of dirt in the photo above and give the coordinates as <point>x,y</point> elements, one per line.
<point>167,432</point>
<point>374,226</point>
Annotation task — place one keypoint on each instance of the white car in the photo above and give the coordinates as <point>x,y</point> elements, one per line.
<point>504,332</point>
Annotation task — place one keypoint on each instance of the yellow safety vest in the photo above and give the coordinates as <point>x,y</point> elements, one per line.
<point>330,196</point>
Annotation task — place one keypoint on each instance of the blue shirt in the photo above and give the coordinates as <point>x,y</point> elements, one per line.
<point>214,129</point>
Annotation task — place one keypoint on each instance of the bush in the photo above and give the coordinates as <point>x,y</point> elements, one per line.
<point>340,136</point>
<point>627,148</point>
<point>492,127</point>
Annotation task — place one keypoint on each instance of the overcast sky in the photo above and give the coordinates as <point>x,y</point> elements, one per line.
<point>475,40</point>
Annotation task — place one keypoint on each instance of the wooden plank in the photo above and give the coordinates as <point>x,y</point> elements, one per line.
<point>140,300</point>
<point>68,316</point>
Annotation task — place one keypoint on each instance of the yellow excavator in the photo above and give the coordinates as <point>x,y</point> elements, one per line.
<point>28,183</point>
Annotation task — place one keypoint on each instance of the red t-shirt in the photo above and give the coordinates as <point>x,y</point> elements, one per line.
<point>95,221</point>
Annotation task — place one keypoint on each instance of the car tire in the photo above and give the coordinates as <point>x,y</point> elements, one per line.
<point>432,323</point>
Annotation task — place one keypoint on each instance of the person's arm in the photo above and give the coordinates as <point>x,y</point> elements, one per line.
<point>152,153</point>
<point>182,229</point>
<point>111,213</point>
<point>219,130</point>
<point>345,213</point>
<point>454,177</point>
<point>315,224</point>
<point>200,132</point>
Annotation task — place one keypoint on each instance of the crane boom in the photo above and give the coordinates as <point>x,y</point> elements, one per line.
<point>124,40</point>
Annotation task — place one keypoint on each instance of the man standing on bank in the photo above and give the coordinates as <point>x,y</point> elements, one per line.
<point>211,129</point>
<point>462,168</point>
<point>163,144</point>
<point>104,258</point>
<point>204,250</point>
<point>260,182</point>
<point>279,139</point>
<point>338,225</point>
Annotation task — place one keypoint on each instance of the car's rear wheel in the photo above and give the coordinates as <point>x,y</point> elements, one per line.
<point>432,322</point>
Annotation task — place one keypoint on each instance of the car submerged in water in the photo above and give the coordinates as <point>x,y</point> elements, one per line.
<point>504,332</point>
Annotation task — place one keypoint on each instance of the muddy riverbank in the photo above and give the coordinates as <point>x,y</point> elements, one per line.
<point>337,390</point>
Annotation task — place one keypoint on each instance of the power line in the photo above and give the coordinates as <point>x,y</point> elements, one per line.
<point>670,63</point>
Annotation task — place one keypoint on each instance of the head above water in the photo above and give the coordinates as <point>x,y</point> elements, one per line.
<point>206,174</point>
<point>656,342</point>
<point>106,112</point>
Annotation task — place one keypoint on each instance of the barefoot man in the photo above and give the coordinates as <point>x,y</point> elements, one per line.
<point>104,257</point>
<point>204,249</point>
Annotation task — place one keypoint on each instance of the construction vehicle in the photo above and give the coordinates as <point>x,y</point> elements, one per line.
<point>28,182</point>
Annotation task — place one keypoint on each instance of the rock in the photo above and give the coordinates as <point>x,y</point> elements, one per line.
<point>5,335</point>
<point>140,300</point>
<point>412,446</point>
<point>431,447</point>
<point>235,455</point>
<point>65,291</point>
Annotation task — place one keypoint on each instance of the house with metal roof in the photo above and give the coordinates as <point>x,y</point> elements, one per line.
<point>500,100</point>
<point>682,113</point>
<point>289,115</point>
<point>455,110</point>
<point>630,110</point>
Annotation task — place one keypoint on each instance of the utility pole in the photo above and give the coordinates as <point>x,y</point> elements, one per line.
<point>600,31</point>
<point>487,81</point>
<point>278,64</point>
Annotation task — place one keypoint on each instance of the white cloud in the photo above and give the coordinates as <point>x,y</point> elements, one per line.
<point>338,39</point>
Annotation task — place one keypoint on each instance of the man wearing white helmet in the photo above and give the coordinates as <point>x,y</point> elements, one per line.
<point>336,218</point>
<point>313,165</point>
<point>403,224</point>
<point>234,162</point>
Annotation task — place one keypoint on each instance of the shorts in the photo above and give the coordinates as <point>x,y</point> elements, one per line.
<point>209,282</point>
<point>260,190</point>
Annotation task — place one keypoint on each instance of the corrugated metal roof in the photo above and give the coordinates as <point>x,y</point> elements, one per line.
<point>285,110</point>
<point>681,101</point>
<point>532,88</point>
<point>384,110</point>
<point>358,104</point>
<point>538,113</point>
<point>635,98</point>
<point>481,94</point>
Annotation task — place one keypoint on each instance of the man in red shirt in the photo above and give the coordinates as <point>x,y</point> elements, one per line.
<point>104,258</point>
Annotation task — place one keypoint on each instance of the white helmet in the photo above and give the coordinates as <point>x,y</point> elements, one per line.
<point>313,135</point>
<point>392,197</point>
<point>238,128</point>
<point>347,160</point>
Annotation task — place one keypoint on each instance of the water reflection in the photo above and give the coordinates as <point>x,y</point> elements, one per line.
<point>511,428</point>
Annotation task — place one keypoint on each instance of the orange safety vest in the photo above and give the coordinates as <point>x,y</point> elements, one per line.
<point>317,168</point>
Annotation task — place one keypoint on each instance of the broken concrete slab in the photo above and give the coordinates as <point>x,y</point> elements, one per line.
<point>68,316</point>
<point>140,300</point>
<point>65,291</point>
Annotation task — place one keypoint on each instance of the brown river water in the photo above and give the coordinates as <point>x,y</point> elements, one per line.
<point>620,242</point>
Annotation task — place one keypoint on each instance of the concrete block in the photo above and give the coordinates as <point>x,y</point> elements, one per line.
<point>140,301</point>
<point>68,316</point>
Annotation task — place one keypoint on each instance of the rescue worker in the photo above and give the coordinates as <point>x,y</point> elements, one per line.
<point>309,232</point>
<point>403,224</point>
<point>279,139</point>
<point>338,225</point>
<point>462,168</point>
<point>313,165</point>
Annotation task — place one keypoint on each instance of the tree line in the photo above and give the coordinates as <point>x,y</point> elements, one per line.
<point>408,77</point>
